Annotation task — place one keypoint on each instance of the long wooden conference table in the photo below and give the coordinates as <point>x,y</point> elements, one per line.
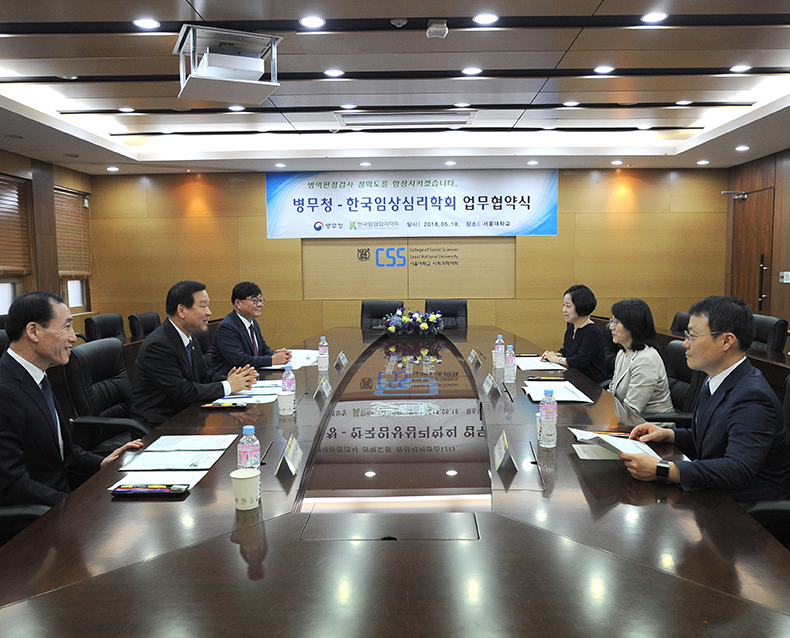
<point>433,541</point>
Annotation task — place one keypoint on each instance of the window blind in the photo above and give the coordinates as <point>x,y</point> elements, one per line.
<point>71,227</point>
<point>14,226</point>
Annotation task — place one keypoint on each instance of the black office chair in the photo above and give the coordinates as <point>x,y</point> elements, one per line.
<point>204,339</point>
<point>374,311</point>
<point>680,323</point>
<point>775,515</point>
<point>684,387</point>
<point>453,312</point>
<point>3,342</point>
<point>610,349</point>
<point>15,518</point>
<point>143,324</point>
<point>771,334</point>
<point>101,396</point>
<point>104,326</point>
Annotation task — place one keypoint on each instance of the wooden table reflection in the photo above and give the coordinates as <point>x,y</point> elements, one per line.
<point>569,548</point>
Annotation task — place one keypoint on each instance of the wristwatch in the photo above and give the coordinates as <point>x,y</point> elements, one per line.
<point>662,472</point>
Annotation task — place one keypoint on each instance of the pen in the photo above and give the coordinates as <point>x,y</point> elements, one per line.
<point>620,434</point>
<point>527,354</point>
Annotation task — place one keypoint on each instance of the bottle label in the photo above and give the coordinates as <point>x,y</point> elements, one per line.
<point>289,385</point>
<point>249,455</point>
<point>548,411</point>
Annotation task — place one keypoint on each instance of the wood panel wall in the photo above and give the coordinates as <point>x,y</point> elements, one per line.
<point>655,234</point>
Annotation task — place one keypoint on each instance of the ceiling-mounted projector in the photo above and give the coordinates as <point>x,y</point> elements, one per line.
<point>226,66</point>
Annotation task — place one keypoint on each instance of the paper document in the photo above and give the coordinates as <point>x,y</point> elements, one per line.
<point>161,478</point>
<point>250,397</point>
<point>171,443</point>
<point>178,460</point>
<point>534,363</point>
<point>594,453</point>
<point>614,443</point>
<point>299,359</point>
<point>563,391</point>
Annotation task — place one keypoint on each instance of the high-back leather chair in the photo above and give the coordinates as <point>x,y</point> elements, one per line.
<point>680,323</point>
<point>204,339</point>
<point>143,324</point>
<point>104,326</point>
<point>101,396</point>
<point>3,342</point>
<point>374,311</point>
<point>453,311</point>
<point>15,518</point>
<point>684,386</point>
<point>771,334</point>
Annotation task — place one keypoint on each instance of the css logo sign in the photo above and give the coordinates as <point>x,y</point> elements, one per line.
<point>318,226</point>
<point>389,257</point>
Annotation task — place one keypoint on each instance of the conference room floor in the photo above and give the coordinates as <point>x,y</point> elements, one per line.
<point>564,547</point>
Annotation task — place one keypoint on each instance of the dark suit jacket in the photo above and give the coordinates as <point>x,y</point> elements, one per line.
<point>164,381</point>
<point>233,346</point>
<point>737,442</point>
<point>31,470</point>
<point>585,351</point>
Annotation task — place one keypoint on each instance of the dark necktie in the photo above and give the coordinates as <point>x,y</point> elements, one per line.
<point>254,342</point>
<point>704,397</point>
<point>46,388</point>
<point>189,352</point>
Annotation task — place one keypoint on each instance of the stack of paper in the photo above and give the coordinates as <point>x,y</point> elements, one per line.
<point>299,359</point>
<point>614,444</point>
<point>534,363</point>
<point>181,453</point>
<point>563,391</point>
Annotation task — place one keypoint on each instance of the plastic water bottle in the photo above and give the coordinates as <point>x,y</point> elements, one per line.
<point>323,354</point>
<point>249,448</point>
<point>547,424</point>
<point>289,380</point>
<point>510,365</point>
<point>499,352</point>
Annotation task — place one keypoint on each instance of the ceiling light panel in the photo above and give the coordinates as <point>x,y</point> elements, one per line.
<point>401,119</point>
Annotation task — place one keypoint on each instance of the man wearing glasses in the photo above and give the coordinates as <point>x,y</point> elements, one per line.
<point>238,341</point>
<point>736,442</point>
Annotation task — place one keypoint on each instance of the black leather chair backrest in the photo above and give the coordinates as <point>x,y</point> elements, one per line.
<point>143,324</point>
<point>374,311</point>
<point>771,334</point>
<point>103,326</point>
<point>684,383</point>
<point>3,342</point>
<point>680,322</point>
<point>786,409</point>
<point>453,311</point>
<point>204,339</point>
<point>97,380</point>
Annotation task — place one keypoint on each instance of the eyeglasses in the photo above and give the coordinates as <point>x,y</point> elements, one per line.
<point>258,301</point>
<point>614,322</point>
<point>691,337</point>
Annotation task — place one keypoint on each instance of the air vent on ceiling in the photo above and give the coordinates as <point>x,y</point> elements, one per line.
<point>405,119</point>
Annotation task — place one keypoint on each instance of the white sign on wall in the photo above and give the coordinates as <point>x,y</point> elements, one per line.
<point>411,204</point>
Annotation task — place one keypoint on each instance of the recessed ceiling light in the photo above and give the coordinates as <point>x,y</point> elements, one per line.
<point>472,70</point>
<point>312,22</point>
<point>461,105</point>
<point>454,127</point>
<point>570,103</point>
<point>703,162</point>
<point>654,16</point>
<point>146,23</point>
<point>113,169</point>
<point>451,472</point>
<point>69,77</point>
<point>263,130</point>
<point>603,69</point>
<point>364,163</point>
<point>742,148</point>
<point>370,474</point>
<point>279,165</point>
<point>740,68</point>
<point>334,73</point>
<point>616,162</point>
<point>126,109</point>
<point>357,129</point>
<point>236,108</point>
<point>449,163</point>
<point>348,106</point>
<point>683,102</point>
<point>548,128</point>
<point>644,127</point>
<point>486,18</point>
<point>532,163</point>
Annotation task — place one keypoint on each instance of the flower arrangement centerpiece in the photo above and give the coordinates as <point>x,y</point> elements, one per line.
<point>406,322</point>
<point>414,351</point>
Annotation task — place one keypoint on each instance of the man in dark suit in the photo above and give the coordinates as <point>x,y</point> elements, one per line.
<point>737,440</point>
<point>170,372</point>
<point>238,340</point>
<point>39,463</point>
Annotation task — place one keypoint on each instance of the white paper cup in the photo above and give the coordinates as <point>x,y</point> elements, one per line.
<point>246,488</point>
<point>285,402</point>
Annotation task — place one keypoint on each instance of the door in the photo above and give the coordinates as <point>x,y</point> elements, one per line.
<point>752,241</point>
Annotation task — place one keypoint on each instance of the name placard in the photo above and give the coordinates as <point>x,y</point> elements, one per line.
<point>323,390</point>
<point>503,457</point>
<point>490,386</point>
<point>292,455</point>
<point>341,362</point>
<point>473,360</point>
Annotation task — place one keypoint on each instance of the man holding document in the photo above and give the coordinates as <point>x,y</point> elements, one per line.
<point>736,442</point>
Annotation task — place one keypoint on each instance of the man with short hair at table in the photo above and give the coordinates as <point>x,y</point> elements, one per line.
<point>39,463</point>
<point>238,340</point>
<point>170,372</point>
<point>736,442</point>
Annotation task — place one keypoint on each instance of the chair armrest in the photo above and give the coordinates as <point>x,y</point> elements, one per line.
<point>117,424</point>
<point>773,516</point>
<point>21,510</point>
<point>605,383</point>
<point>680,419</point>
